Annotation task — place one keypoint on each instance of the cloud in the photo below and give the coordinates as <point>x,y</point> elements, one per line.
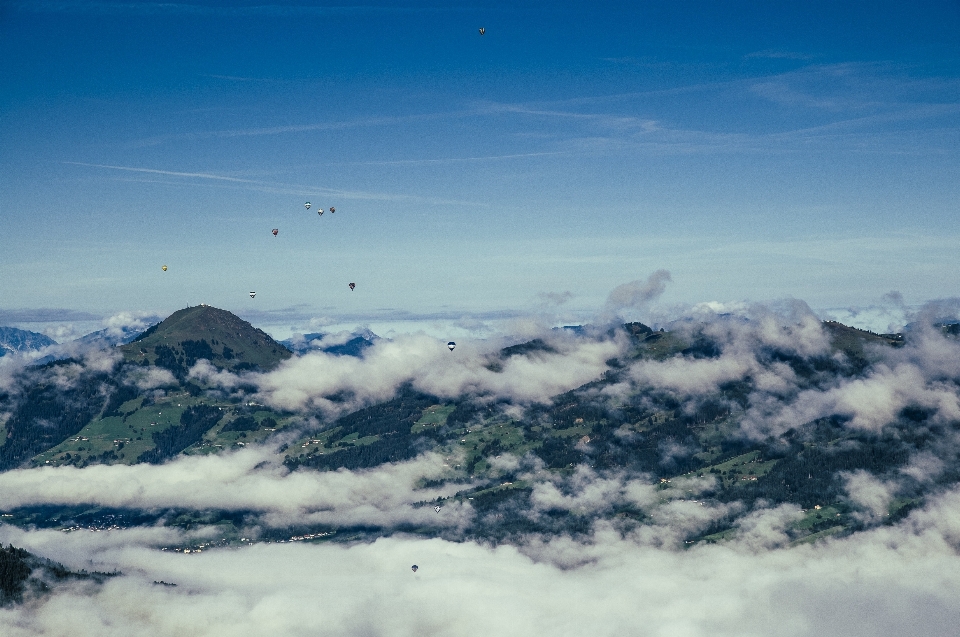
<point>636,294</point>
<point>308,381</point>
<point>122,323</point>
<point>890,582</point>
<point>146,378</point>
<point>553,299</point>
<point>690,376</point>
<point>766,529</point>
<point>870,403</point>
<point>204,371</point>
<point>255,184</point>
<point>871,495</point>
<point>248,480</point>
<point>778,54</point>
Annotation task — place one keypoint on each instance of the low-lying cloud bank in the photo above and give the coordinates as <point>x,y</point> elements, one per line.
<point>892,581</point>
<point>309,381</point>
<point>250,480</point>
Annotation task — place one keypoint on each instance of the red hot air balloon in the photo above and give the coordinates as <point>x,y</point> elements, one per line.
<point>275,231</point>
<point>332,210</point>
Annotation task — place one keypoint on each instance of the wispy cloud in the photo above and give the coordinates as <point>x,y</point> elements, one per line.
<point>779,54</point>
<point>276,187</point>
<point>172,173</point>
<point>260,131</point>
<point>450,160</point>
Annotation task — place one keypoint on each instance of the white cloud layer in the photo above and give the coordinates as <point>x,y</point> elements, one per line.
<point>308,380</point>
<point>893,581</point>
<point>252,480</point>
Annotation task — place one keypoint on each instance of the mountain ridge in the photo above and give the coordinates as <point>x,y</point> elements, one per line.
<point>205,332</point>
<point>14,341</point>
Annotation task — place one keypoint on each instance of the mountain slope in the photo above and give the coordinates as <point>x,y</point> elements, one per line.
<point>13,340</point>
<point>205,332</point>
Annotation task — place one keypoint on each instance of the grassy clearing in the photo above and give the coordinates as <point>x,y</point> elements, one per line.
<point>217,440</point>
<point>127,436</point>
<point>659,346</point>
<point>492,438</point>
<point>819,535</point>
<point>435,416</point>
<point>711,437</point>
<point>713,538</point>
<point>506,486</point>
<point>653,421</point>
<point>570,432</point>
<point>813,517</point>
<point>741,469</point>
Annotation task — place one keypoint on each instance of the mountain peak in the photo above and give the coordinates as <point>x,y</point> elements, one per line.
<point>203,331</point>
<point>13,340</point>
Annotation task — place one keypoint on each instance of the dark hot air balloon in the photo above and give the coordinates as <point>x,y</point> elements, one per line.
<point>275,231</point>
<point>451,345</point>
<point>482,30</point>
<point>253,294</point>
<point>332,210</point>
<point>352,285</point>
<point>414,568</point>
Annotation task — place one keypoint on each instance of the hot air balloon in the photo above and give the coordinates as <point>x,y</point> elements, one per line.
<point>482,30</point>
<point>320,211</point>
<point>275,231</point>
<point>451,345</point>
<point>437,508</point>
<point>352,285</point>
<point>332,210</point>
<point>253,294</point>
<point>164,268</point>
<point>414,568</point>
<point>307,205</point>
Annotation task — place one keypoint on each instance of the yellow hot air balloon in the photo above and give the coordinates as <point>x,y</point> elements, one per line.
<point>164,268</point>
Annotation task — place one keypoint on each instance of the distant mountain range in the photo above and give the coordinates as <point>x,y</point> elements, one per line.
<point>15,341</point>
<point>354,346</point>
<point>110,337</point>
<point>150,409</point>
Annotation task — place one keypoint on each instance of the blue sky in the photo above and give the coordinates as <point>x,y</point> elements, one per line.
<point>756,152</point>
